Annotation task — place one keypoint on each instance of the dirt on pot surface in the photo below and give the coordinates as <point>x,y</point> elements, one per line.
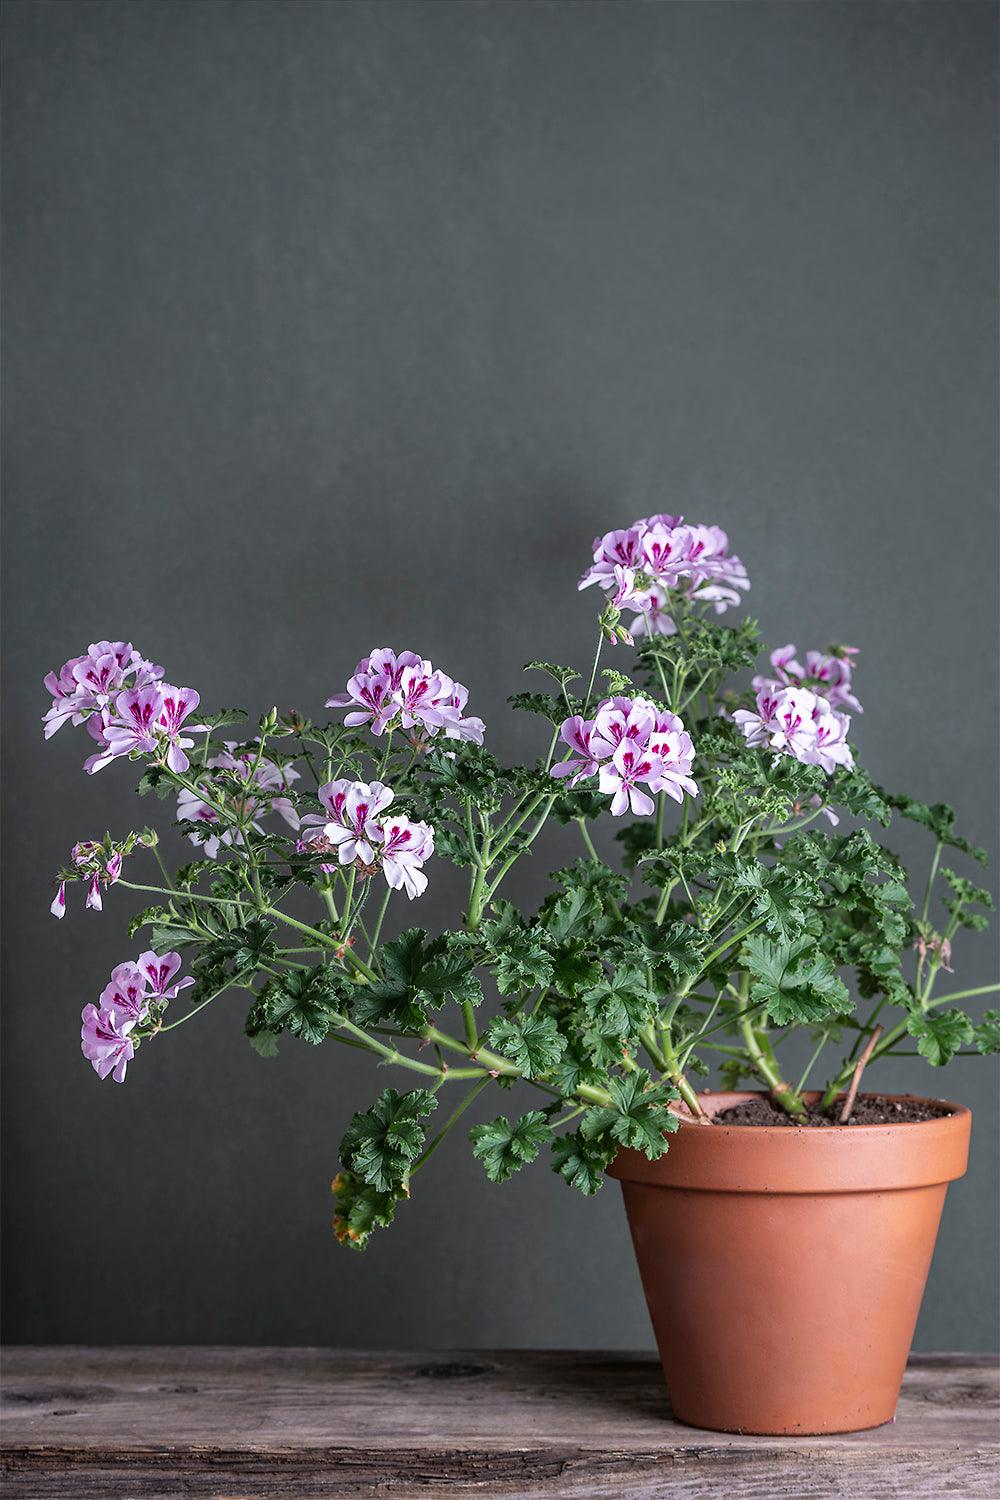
<point>869,1109</point>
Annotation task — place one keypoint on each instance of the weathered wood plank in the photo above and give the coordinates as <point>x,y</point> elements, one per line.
<point>237,1422</point>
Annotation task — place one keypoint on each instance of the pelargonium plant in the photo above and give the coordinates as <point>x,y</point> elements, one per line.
<point>745,908</point>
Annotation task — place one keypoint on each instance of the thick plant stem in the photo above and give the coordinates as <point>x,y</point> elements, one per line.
<point>666,1060</point>
<point>782,1092</point>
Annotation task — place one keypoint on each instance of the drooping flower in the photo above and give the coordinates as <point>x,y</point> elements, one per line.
<point>405,847</point>
<point>640,565</point>
<point>387,691</point>
<point>100,864</point>
<point>828,675</point>
<point>105,1041</point>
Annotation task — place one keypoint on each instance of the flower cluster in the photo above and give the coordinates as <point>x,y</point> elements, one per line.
<point>125,704</point>
<point>629,744</point>
<point>100,864</point>
<point>267,784</point>
<point>829,676</point>
<point>106,1034</point>
<point>639,566</point>
<point>389,691</point>
<point>353,829</point>
<point>88,685</point>
<point>796,721</point>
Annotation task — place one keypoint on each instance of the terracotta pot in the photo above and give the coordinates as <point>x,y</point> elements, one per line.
<point>784,1267</point>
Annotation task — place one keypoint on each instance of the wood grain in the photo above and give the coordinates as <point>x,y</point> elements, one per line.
<point>311,1422</point>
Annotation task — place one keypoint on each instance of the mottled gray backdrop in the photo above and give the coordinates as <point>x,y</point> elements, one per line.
<point>331,326</point>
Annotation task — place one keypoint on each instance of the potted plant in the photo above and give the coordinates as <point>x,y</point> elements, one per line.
<point>783,1233</point>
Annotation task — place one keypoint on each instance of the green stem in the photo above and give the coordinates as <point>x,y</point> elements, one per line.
<point>453,1118</point>
<point>930,880</point>
<point>762,1057</point>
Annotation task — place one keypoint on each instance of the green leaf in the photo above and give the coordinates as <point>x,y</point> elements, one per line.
<point>381,1145</point>
<point>574,915</point>
<point>416,978</point>
<point>562,675</point>
<point>794,980</point>
<point>533,1043</point>
<point>574,970</point>
<point>988,1033</point>
<point>581,1162</point>
<point>360,1209</point>
<point>939,1034</point>
<point>504,1148</point>
<point>264,1043</point>
<point>638,1118</point>
<point>301,1002</point>
<point>163,936</point>
<point>150,914</point>
<point>521,964</point>
<point>239,952</point>
<point>618,1006</point>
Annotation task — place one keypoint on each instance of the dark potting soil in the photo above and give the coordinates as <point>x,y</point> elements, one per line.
<point>869,1109</point>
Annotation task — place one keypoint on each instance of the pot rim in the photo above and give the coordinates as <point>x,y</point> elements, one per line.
<point>780,1159</point>
<point>947,1107</point>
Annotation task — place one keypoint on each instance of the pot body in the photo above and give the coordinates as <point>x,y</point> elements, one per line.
<point>784,1267</point>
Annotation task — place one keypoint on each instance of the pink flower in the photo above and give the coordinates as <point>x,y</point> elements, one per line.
<point>796,722</point>
<point>627,742</point>
<point>827,675</point>
<point>85,685</point>
<point>156,972</point>
<point>671,743</point>
<point>58,907</point>
<point>131,727</point>
<point>94,902</point>
<point>621,777</point>
<point>143,720</point>
<point>105,1041</point>
<point>616,549</point>
<point>831,748</point>
<point>178,705</point>
<point>353,829</point>
<point>405,847</point>
<point>576,733</point>
<point>655,618</point>
<point>127,993</point>
<point>621,721</point>
<point>405,691</point>
<point>640,565</point>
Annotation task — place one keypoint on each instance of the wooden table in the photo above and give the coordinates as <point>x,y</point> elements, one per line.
<point>136,1423</point>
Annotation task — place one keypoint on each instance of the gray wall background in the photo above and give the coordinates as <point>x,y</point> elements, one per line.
<point>334,325</point>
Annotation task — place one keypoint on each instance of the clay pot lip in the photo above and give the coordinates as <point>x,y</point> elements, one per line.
<point>788,1159</point>
<point>949,1114</point>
